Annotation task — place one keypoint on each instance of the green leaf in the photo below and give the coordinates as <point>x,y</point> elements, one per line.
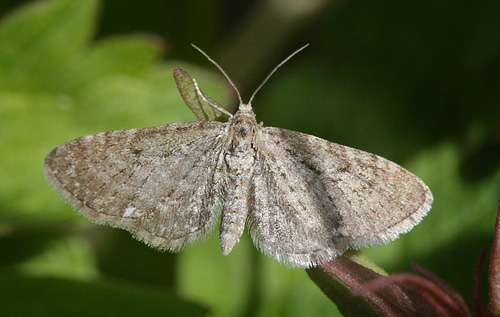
<point>40,43</point>
<point>55,86</point>
<point>22,296</point>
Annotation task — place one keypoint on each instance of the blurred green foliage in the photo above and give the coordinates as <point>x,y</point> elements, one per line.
<point>416,82</point>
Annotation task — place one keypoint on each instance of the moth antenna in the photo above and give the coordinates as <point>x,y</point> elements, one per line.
<point>274,70</point>
<point>221,70</point>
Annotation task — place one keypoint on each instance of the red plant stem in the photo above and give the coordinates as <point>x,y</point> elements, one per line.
<point>494,276</point>
<point>477,278</point>
<point>436,296</point>
<point>336,269</point>
<point>437,306</point>
<point>457,297</point>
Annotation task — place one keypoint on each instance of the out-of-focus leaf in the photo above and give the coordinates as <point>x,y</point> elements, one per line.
<point>40,44</point>
<point>55,86</point>
<point>23,296</point>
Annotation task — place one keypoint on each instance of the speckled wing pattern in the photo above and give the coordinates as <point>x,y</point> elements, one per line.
<point>160,183</point>
<point>306,200</point>
<point>314,199</point>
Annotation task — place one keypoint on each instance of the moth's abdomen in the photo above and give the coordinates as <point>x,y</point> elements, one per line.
<point>235,209</point>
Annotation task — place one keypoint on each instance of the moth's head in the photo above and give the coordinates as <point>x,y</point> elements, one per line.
<point>245,107</point>
<point>244,116</point>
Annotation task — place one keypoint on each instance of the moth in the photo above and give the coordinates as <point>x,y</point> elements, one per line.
<point>304,199</point>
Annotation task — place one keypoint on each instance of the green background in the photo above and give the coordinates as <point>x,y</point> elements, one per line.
<point>414,81</point>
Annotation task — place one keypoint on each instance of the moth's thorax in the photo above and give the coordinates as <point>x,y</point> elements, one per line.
<point>243,126</point>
